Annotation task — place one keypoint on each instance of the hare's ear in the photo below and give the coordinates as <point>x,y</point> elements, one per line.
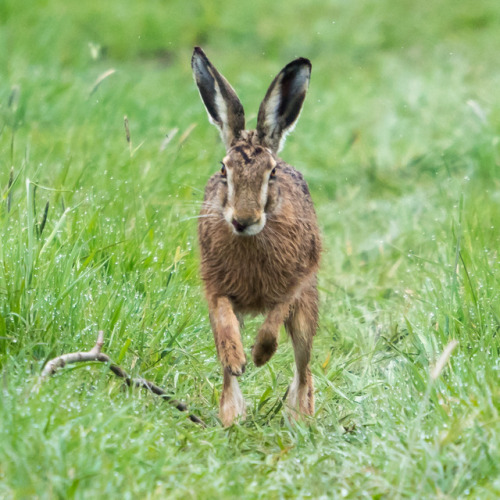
<point>223,106</point>
<point>281,107</point>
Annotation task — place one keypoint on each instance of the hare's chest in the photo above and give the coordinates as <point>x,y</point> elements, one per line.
<point>254,279</point>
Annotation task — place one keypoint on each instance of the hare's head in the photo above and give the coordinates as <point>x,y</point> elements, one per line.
<point>250,170</point>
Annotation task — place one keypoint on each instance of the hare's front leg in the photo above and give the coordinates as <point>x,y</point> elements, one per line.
<point>301,325</point>
<point>227,337</point>
<point>266,342</point>
<point>232,404</point>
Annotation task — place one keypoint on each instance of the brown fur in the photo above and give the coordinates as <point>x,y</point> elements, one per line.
<point>272,272</point>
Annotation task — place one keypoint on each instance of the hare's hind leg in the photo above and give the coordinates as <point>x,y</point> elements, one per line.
<point>227,338</point>
<point>301,325</point>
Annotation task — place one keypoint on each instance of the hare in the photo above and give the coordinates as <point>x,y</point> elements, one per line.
<point>258,234</point>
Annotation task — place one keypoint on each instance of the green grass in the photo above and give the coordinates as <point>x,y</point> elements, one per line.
<point>399,141</point>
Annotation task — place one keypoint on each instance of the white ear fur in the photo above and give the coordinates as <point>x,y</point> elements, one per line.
<point>281,107</point>
<point>221,102</point>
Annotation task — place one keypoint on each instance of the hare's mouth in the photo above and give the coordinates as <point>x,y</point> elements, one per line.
<point>251,230</point>
<point>245,227</point>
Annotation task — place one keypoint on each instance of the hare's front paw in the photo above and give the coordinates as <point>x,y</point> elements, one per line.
<point>232,404</point>
<point>233,357</point>
<point>264,347</point>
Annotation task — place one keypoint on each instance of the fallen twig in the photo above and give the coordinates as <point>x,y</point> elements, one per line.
<point>95,354</point>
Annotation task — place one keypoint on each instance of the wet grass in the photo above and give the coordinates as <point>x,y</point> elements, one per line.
<point>399,140</point>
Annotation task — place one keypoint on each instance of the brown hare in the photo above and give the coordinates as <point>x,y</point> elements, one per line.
<point>259,239</point>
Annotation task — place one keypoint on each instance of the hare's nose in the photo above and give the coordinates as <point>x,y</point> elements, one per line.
<point>241,223</point>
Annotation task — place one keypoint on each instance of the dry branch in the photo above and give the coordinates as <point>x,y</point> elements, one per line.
<point>95,354</point>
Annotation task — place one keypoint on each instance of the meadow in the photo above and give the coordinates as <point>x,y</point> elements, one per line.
<point>399,140</point>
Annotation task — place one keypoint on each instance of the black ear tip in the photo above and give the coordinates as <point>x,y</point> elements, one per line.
<point>298,64</point>
<point>198,52</point>
<point>304,60</point>
<point>199,56</point>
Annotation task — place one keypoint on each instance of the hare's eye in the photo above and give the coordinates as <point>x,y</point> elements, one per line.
<point>273,173</point>
<point>223,170</point>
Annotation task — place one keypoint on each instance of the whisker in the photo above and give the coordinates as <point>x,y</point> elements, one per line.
<point>184,219</point>
<point>283,217</point>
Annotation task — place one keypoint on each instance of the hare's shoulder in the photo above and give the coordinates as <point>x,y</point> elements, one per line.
<point>214,184</point>
<point>295,180</point>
